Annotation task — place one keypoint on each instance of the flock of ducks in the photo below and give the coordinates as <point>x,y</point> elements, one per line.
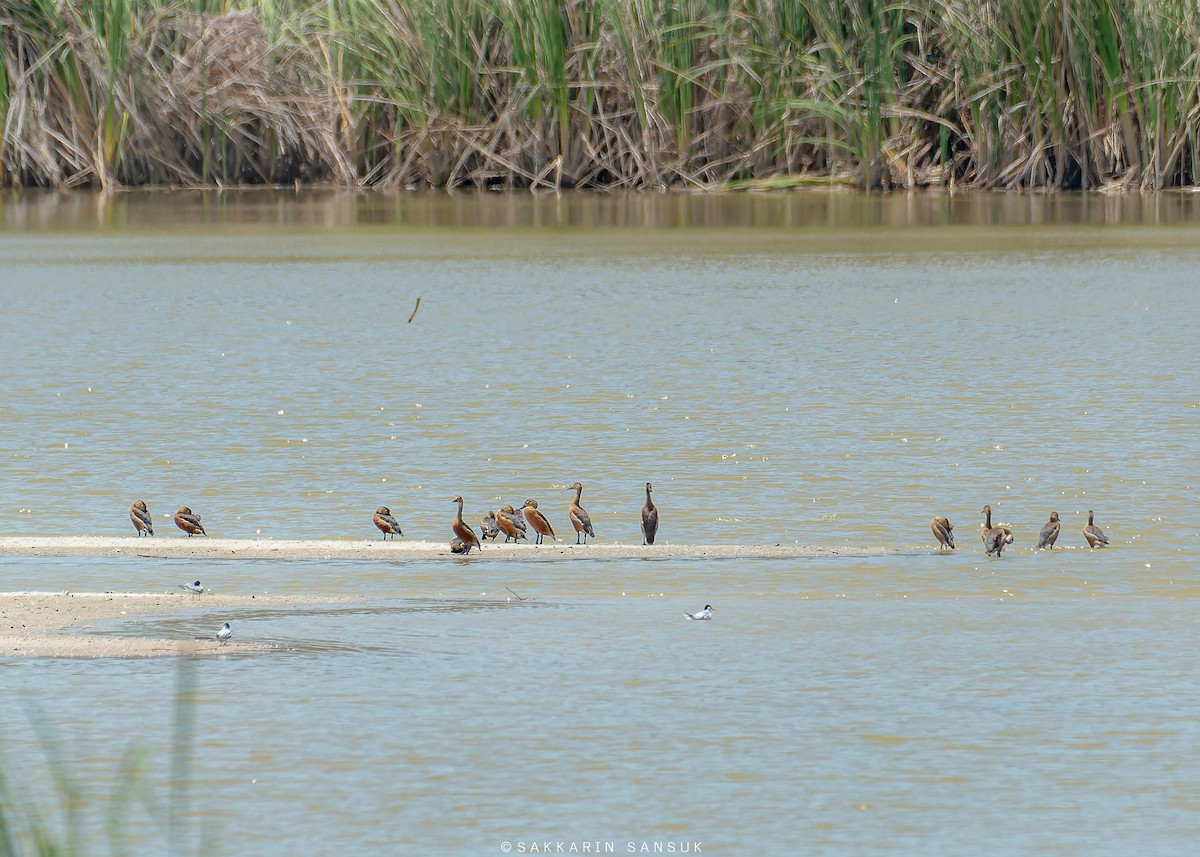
<point>996,537</point>
<point>514,523</point>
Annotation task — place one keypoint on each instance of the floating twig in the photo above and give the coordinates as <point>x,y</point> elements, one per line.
<point>414,312</point>
<point>518,597</point>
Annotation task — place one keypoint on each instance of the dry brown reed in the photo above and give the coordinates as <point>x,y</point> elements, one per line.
<point>600,93</point>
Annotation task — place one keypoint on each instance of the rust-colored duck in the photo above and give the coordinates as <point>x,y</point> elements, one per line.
<point>1094,535</point>
<point>994,538</point>
<point>469,539</point>
<point>1049,534</point>
<point>579,518</point>
<point>189,522</point>
<point>943,531</point>
<point>140,515</point>
<point>457,545</point>
<point>649,518</point>
<point>386,523</point>
<point>489,526</point>
<point>511,523</point>
<point>538,521</point>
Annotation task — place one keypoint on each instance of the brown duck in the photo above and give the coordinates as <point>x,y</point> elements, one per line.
<point>140,515</point>
<point>386,523</point>
<point>1094,535</point>
<point>994,538</point>
<point>469,539</point>
<point>458,546</point>
<point>649,518</point>
<point>943,530</point>
<point>1049,534</point>
<point>489,526</point>
<point>579,518</point>
<point>511,523</point>
<point>538,521</point>
<point>189,522</point>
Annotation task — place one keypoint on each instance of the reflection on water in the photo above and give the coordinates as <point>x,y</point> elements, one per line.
<point>837,375</point>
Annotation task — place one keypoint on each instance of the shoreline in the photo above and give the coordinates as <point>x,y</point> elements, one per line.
<point>32,624</point>
<point>219,548</point>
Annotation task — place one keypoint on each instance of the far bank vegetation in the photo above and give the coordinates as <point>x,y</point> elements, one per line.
<point>1064,94</point>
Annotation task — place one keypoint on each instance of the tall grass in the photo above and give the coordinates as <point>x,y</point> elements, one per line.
<point>600,93</point>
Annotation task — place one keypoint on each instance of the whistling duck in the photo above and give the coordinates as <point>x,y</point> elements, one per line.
<point>458,546</point>
<point>511,523</point>
<point>1094,535</point>
<point>538,521</point>
<point>1049,534</point>
<point>140,515</point>
<point>386,523</point>
<point>579,518</point>
<point>943,530</point>
<point>994,538</point>
<point>489,527</point>
<point>469,539</point>
<point>649,518</point>
<point>189,522</point>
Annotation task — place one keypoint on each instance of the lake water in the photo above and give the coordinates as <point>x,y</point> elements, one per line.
<point>813,369</point>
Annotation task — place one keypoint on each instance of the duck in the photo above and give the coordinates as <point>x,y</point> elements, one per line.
<point>706,613</point>
<point>579,518</point>
<point>189,522</point>
<point>943,530</point>
<point>489,527</point>
<point>1049,534</point>
<point>457,545</point>
<point>1094,535</point>
<point>649,518</point>
<point>994,538</point>
<point>538,521</point>
<point>386,523</point>
<point>469,539</point>
<point>140,515</point>
<point>511,523</point>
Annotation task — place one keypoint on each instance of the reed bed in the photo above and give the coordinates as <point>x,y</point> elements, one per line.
<point>1064,94</point>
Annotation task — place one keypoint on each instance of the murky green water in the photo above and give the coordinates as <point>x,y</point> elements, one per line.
<point>810,369</point>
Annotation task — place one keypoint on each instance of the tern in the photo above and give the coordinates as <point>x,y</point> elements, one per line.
<point>706,613</point>
<point>225,634</point>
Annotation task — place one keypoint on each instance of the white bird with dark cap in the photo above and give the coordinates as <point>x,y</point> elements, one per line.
<point>706,613</point>
<point>195,588</point>
<point>225,634</point>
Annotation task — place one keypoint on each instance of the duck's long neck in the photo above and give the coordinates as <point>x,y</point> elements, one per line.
<point>1091,515</point>
<point>578,494</point>
<point>649,502</point>
<point>988,524</point>
<point>458,517</point>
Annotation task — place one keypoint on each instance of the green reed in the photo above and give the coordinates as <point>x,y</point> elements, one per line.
<point>629,93</point>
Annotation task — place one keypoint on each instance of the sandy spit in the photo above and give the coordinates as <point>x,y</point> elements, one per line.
<point>31,623</point>
<point>183,547</point>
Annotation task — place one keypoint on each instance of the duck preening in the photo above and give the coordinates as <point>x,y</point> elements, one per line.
<point>579,518</point>
<point>386,523</point>
<point>1049,534</point>
<point>511,523</point>
<point>489,526</point>
<point>649,518</point>
<point>140,515</point>
<point>943,531</point>
<point>1094,535</point>
<point>189,522</point>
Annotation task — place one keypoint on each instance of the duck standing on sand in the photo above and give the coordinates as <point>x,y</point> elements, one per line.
<point>511,523</point>
<point>189,522</point>
<point>994,538</point>
<point>465,533</point>
<point>140,515</point>
<point>1049,534</point>
<point>489,527</point>
<point>1094,535</point>
<point>649,518</point>
<point>943,530</point>
<point>386,523</point>
<point>538,521</point>
<point>579,518</point>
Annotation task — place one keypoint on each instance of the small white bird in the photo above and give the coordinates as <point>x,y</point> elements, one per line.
<point>194,588</point>
<point>706,613</point>
<point>225,634</point>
